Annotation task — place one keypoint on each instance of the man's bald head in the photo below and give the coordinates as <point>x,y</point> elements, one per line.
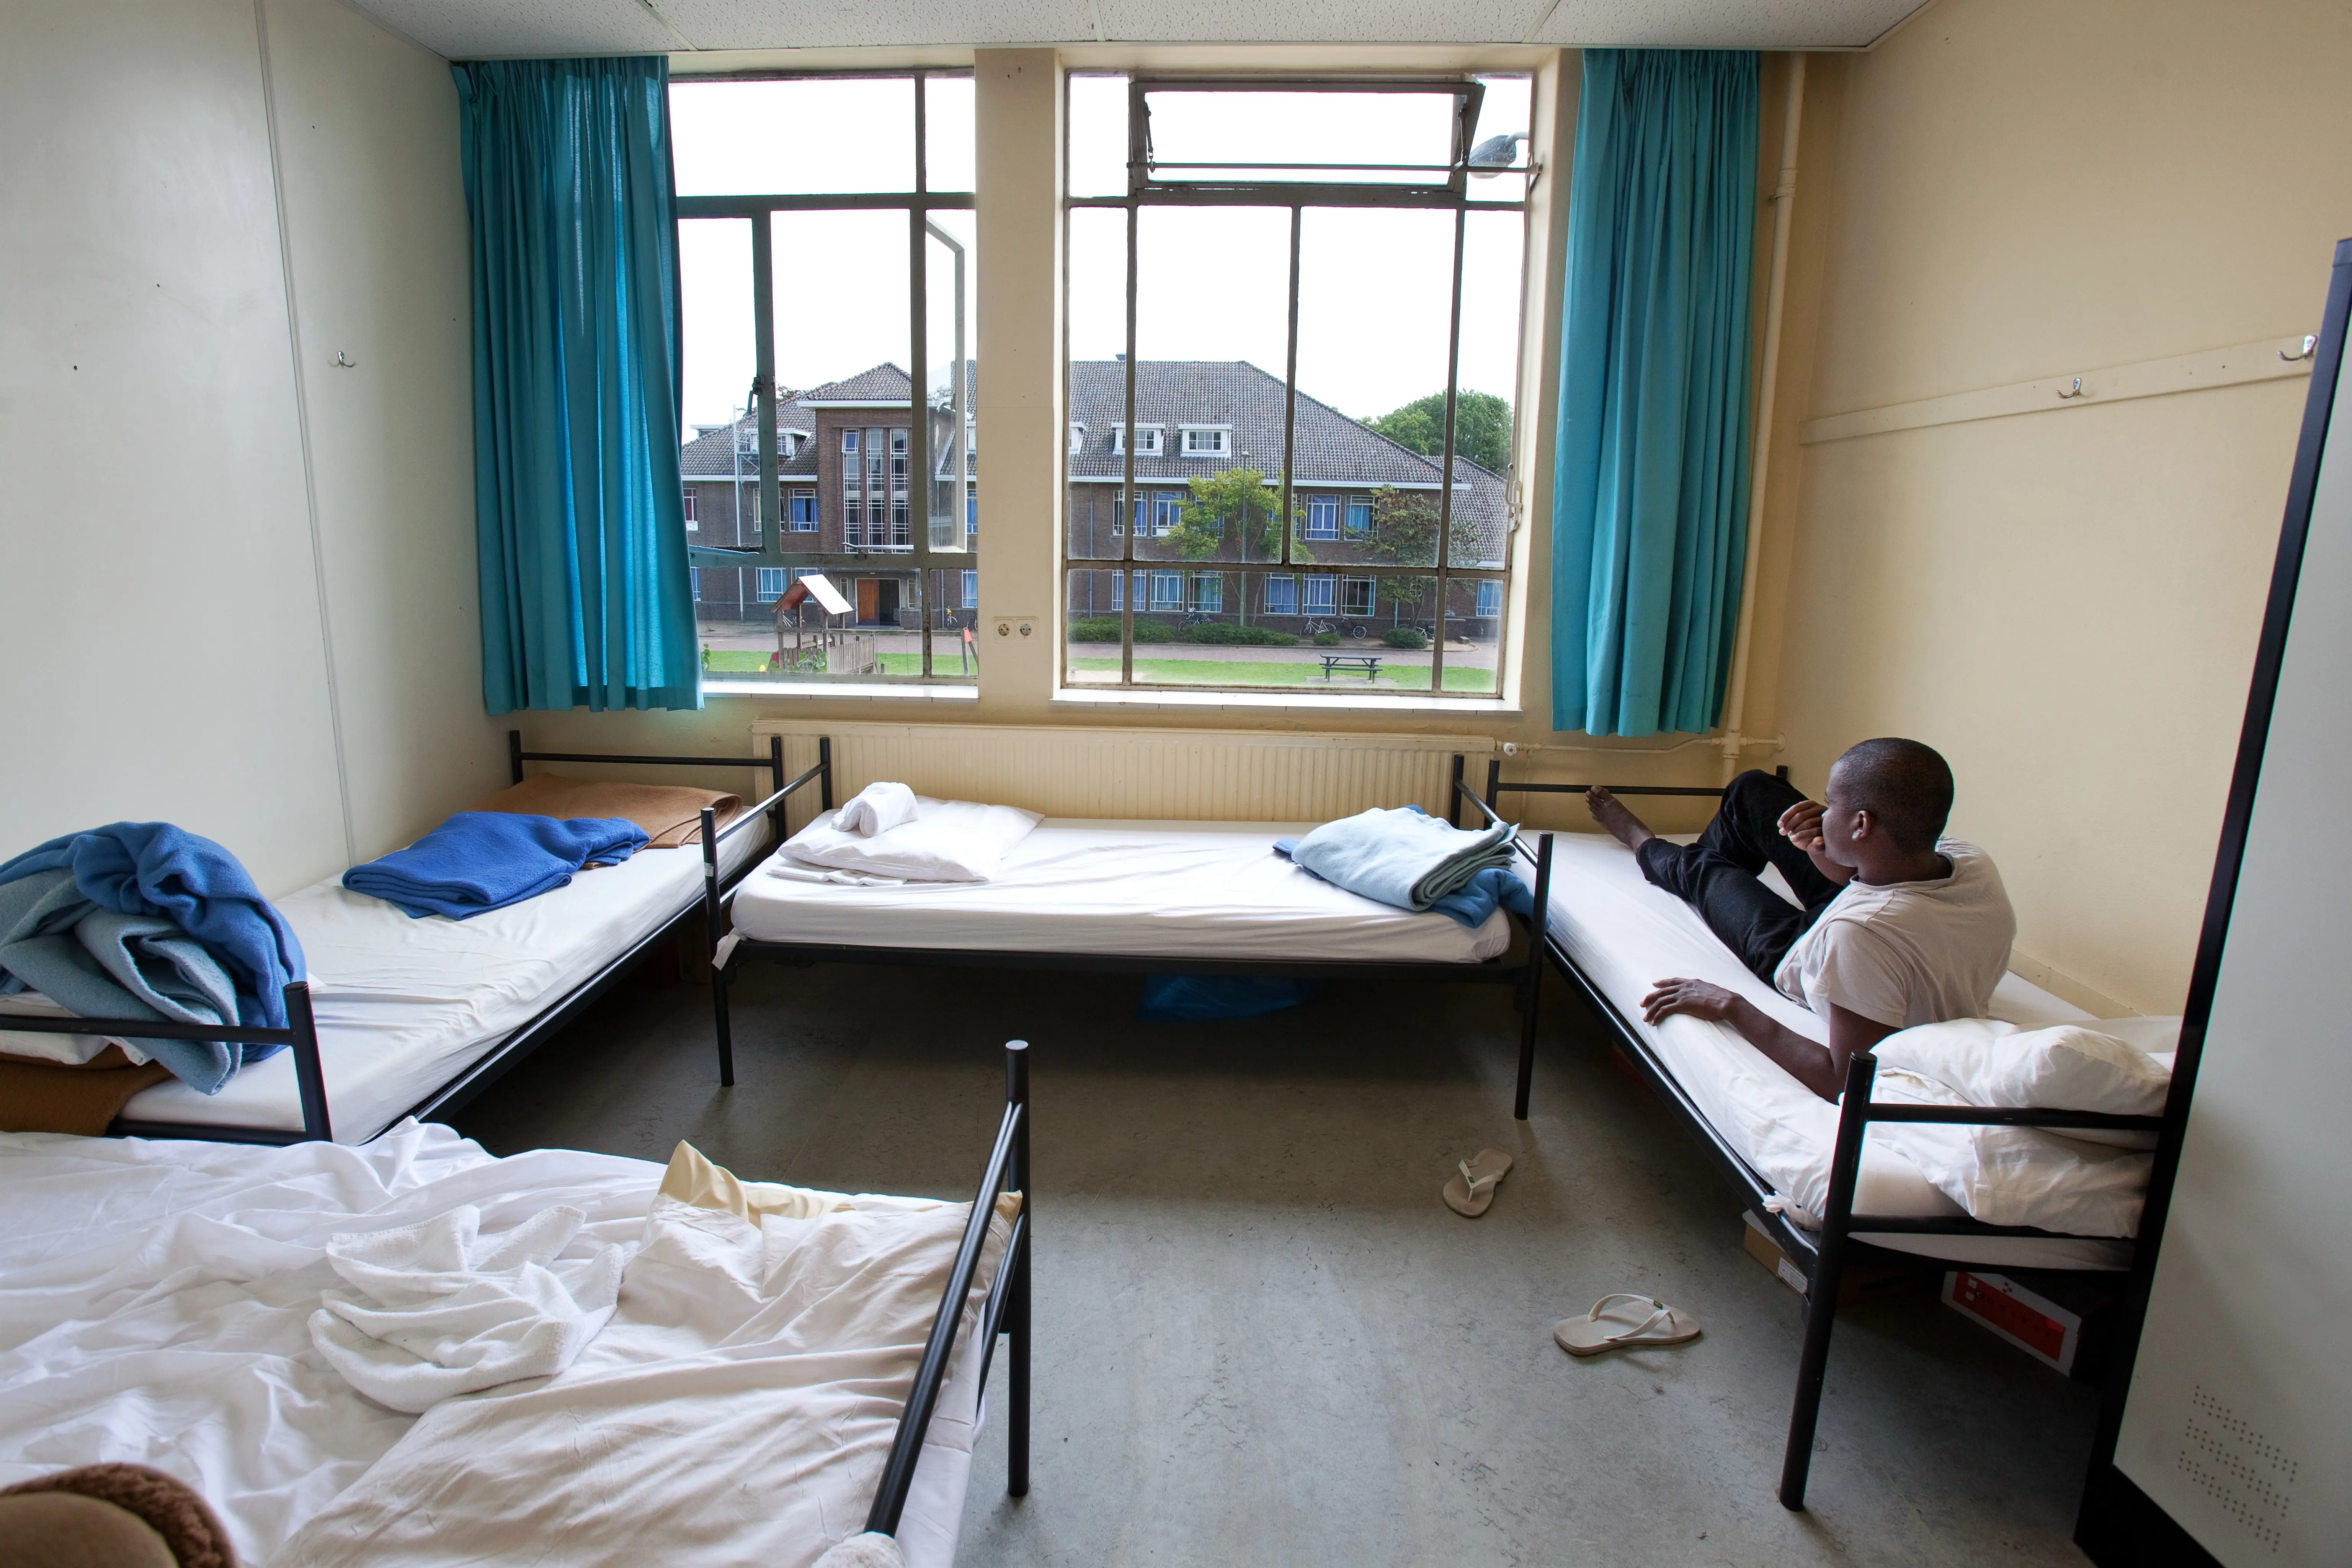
<point>1904,785</point>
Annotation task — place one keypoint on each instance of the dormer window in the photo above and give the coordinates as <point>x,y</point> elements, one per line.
<point>1146,440</point>
<point>1078,437</point>
<point>1208,440</point>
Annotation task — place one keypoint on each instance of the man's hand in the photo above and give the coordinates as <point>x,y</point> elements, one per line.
<point>1694,997</point>
<point>1800,825</point>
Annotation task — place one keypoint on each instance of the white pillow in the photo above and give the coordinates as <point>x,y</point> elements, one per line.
<point>949,841</point>
<point>2016,1175</point>
<point>2068,1066</point>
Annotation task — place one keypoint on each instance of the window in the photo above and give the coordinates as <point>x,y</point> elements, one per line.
<point>1118,592</point>
<point>1077,440</point>
<point>1168,590</point>
<point>1118,512</point>
<point>825,244</point>
<point>1209,593</point>
<point>691,525</point>
<point>1490,598</point>
<point>1331,406</point>
<point>1167,511</point>
<point>971,588</point>
<point>970,515</point>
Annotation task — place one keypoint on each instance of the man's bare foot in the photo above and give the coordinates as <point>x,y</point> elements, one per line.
<point>1622,825</point>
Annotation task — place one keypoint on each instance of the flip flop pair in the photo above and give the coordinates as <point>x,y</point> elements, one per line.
<point>1612,1326</point>
<point>1471,1191</point>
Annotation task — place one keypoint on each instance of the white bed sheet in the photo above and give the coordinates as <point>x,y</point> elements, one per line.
<point>1157,889</point>
<point>155,1299</point>
<point>1625,935</point>
<point>404,1005</point>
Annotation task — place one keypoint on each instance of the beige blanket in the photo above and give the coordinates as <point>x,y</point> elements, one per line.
<point>670,814</point>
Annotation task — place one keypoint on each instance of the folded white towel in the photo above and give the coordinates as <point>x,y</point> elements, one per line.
<point>442,1310</point>
<point>951,841</point>
<point>877,808</point>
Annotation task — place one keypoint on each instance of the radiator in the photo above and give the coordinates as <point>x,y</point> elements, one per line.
<point>1185,775</point>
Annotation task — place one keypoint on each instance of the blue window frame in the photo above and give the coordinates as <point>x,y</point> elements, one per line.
<point>804,512</point>
<point>1319,591</point>
<point>1490,598</point>
<point>1167,508</point>
<point>1322,517</point>
<point>773,581</point>
<point>1282,595</point>
<point>1209,592</point>
<point>1359,516</point>
<point>971,588</point>
<point>1168,590</point>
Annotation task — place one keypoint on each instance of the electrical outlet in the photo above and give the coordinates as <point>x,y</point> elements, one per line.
<point>1017,626</point>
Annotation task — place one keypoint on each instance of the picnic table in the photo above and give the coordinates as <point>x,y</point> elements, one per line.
<point>1369,663</point>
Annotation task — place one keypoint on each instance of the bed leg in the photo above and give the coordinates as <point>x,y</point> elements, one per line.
<point>1531,983</point>
<point>718,982</point>
<point>1016,1311</point>
<point>1821,1291</point>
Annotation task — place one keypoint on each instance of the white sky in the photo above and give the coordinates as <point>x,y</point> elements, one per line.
<point>1373,285</point>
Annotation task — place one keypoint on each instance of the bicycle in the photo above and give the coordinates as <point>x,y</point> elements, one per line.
<point>1317,628</point>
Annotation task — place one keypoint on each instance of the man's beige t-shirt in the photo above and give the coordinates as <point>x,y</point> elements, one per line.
<point>1907,953</point>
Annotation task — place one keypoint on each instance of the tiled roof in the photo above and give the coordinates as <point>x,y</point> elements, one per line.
<point>883,383</point>
<point>713,456</point>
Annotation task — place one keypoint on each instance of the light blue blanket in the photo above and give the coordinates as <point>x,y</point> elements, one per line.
<point>1404,857</point>
<point>102,965</point>
<point>482,861</point>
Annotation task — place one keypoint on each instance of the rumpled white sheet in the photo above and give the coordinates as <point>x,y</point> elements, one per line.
<point>442,1310</point>
<point>876,808</point>
<point>948,841</point>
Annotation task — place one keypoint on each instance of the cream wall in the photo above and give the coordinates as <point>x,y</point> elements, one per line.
<point>2065,602</point>
<point>167,608</point>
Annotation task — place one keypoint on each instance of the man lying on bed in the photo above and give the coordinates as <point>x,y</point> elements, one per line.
<point>1900,925</point>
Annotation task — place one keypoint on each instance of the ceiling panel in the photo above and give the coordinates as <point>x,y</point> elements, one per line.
<point>798,24</point>
<point>463,29</point>
<point>1722,23</point>
<point>476,29</point>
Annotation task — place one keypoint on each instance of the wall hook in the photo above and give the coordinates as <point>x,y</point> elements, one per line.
<point>2075,391</point>
<point>346,361</point>
<point>2309,344</point>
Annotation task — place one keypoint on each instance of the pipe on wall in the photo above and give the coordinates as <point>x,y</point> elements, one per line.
<point>1784,200</point>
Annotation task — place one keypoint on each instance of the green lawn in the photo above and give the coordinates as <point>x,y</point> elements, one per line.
<point>752,662</point>
<point>1288,672</point>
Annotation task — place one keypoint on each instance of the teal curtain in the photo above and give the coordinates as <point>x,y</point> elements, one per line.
<point>1649,480</point>
<point>586,600</point>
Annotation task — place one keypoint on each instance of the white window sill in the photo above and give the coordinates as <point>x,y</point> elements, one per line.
<point>885,691</point>
<point>1073,697</point>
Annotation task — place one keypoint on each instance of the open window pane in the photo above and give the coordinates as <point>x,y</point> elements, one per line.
<point>799,136</point>
<point>1223,134</point>
<point>952,282</point>
<point>1500,149</point>
<point>719,461</point>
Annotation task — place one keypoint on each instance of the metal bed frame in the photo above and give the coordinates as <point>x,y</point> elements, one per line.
<point>1525,978</point>
<point>1007,1311</point>
<point>1824,1255</point>
<point>301,1036</point>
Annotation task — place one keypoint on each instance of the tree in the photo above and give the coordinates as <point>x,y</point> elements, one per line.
<point>1482,427</point>
<point>1237,503</point>
<point>1405,532</point>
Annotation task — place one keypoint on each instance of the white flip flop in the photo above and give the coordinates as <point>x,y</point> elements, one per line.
<point>1650,1323</point>
<point>1470,1193</point>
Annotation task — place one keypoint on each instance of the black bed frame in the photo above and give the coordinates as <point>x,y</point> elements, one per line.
<point>301,1036</point>
<point>1525,977</point>
<point>1824,1254</point>
<point>1007,1311</point>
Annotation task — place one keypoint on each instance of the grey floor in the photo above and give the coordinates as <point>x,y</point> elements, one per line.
<point>1260,1337</point>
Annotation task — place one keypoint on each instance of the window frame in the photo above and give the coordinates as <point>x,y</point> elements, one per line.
<point>1261,186</point>
<point>876,488</point>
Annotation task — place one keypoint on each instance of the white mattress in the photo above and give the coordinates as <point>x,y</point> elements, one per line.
<point>405,1006</point>
<point>1157,889</point>
<point>1625,935</point>
<point>155,1299</point>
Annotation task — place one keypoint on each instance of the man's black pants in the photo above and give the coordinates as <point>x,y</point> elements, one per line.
<point>1716,876</point>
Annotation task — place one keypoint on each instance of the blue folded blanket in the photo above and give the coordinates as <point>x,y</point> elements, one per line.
<point>483,860</point>
<point>155,870</point>
<point>1404,857</point>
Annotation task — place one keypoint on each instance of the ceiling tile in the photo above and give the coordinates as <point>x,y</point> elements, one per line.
<point>832,23</point>
<point>1722,23</point>
<point>479,29</point>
